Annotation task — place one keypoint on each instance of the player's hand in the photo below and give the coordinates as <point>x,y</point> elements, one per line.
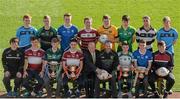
<point>99,71</point>
<point>25,74</point>
<point>120,44</point>
<point>18,74</point>
<point>7,74</point>
<point>146,71</point>
<point>41,74</point>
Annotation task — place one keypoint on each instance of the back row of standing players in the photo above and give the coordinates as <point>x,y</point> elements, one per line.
<point>125,32</point>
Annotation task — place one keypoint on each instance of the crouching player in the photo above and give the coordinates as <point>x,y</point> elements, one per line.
<point>142,62</point>
<point>52,67</point>
<point>72,61</point>
<point>125,70</point>
<point>13,61</point>
<point>162,61</point>
<point>33,68</point>
<point>106,72</point>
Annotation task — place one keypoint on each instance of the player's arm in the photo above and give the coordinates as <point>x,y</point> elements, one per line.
<point>4,61</point>
<point>65,68</point>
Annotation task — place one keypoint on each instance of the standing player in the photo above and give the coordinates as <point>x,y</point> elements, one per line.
<point>72,57</point>
<point>25,32</point>
<point>126,33</point>
<point>33,67</point>
<point>88,34</point>
<point>46,33</point>
<point>109,30</point>
<point>142,58</point>
<point>67,32</point>
<point>168,34</point>
<point>13,62</point>
<point>146,33</point>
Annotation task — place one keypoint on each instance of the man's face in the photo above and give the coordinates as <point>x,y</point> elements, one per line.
<point>125,47</point>
<point>142,46</point>
<point>27,21</point>
<point>15,44</point>
<point>92,47</point>
<point>35,43</point>
<point>167,23</point>
<point>73,45</point>
<point>108,46</point>
<point>161,48</point>
<point>146,22</point>
<point>88,23</point>
<point>55,44</point>
<point>106,22</point>
<point>67,19</point>
<point>125,23</point>
<point>47,21</point>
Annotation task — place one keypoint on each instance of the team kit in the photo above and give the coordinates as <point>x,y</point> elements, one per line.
<point>65,62</point>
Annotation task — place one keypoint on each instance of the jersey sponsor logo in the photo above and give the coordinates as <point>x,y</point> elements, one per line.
<point>88,35</point>
<point>167,35</point>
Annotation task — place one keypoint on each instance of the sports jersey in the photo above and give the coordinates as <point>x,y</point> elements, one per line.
<point>24,35</point>
<point>168,37</point>
<point>146,35</point>
<point>162,60</point>
<point>34,58</point>
<point>72,58</point>
<point>87,36</point>
<point>13,60</point>
<point>53,56</point>
<point>126,35</point>
<point>125,60</point>
<point>67,33</point>
<point>111,33</point>
<point>109,61</point>
<point>46,36</point>
<point>142,59</point>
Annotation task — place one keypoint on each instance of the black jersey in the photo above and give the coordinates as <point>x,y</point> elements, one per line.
<point>13,60</point>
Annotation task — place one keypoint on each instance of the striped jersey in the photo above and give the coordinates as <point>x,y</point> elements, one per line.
<point>87,36</point>
<point>146,35</point>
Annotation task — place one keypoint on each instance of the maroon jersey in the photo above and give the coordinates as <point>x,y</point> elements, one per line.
<point>34,58</point>
<point>72,58</point>
<point>87,36</point>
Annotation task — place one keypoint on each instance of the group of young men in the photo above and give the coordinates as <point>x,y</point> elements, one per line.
<point>87,67</point>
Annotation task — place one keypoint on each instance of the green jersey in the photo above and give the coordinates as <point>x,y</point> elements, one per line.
<point>126,35</point>
<point>46,36</point>
<point>53,56</point>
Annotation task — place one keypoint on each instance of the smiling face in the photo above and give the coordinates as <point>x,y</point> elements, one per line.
<point>14,44</point>
<point>67,19</point>
<point>88,23</point>
<point>106,22</point>
<point>27,21</point>
<point>125,48</point>
<point>47,21</point>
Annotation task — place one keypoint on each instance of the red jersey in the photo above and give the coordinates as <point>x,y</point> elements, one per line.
<point>72,58</point>
<point>87,36</point>
<point>34,58</point>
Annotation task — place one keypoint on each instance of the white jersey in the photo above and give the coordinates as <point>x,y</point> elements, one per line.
<point>125,60</point>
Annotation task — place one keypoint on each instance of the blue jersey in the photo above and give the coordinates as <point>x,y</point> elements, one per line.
<point>168,37</point>
<point>24,35</point>
<point>66,34</point>
<point>142,59</point>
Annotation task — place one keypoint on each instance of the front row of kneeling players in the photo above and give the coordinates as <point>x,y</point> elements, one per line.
<point>86,69</point>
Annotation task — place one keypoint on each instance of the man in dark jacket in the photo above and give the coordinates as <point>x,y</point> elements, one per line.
<point>13,61</point>
<point>109,62</point>
<point>91,61</point>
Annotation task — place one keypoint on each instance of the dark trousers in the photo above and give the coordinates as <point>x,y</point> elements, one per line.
<point>7,82</point>
<point>33,75</point>
<point>113,86</point>
<point>170,80</point>
<point>144,82</point>
<point>77,83</point>
<point>89,84</point>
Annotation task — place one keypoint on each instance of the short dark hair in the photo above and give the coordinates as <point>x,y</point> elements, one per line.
<point>46,17</point>
<point>73,40</point>
<point>166,18</point>
<point>161,43</point>
<point>87,18</point>
<point>125,18</point>
<point>55,39</point>
<point>142,41</point>
<point>33,38</point>
<point>27,16</point>
<point>67,14</point>
<point>146,17</point>
<point>12,40</point>
<point>125,43</point>
<point>106,16</point>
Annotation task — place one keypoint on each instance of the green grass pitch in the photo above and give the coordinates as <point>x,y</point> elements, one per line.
<point>11,12</point>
